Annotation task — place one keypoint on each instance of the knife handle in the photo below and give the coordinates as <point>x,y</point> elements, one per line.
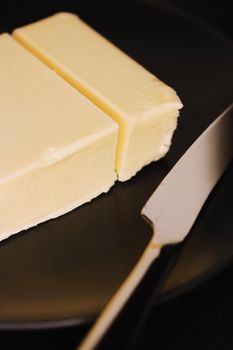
<point>126,327</point>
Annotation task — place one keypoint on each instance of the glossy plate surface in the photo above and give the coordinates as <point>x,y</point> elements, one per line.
<point>64,271</point>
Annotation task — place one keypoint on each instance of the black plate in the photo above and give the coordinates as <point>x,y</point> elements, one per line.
<point>64,271</point>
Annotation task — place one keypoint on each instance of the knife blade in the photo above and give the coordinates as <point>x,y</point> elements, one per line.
<point>174,206</point>
<point>171,211</point>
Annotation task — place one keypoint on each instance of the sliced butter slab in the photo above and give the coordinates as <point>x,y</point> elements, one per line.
<point>57,149</point>
<point>145,108</point>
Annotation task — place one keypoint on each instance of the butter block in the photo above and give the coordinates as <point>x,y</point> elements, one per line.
<point>144,107</point>
<point>57,149</point>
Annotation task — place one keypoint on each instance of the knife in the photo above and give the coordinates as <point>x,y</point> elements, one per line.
<point>171,211</point>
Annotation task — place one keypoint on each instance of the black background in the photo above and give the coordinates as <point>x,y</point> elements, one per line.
<point>202,319</point>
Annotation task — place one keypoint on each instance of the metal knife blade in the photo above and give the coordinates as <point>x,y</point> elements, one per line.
<point>171,210</point>
<point>174,206</point>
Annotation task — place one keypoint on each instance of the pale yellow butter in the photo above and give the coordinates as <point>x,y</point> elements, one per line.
<point>145,108</point>
<point>57,149</point>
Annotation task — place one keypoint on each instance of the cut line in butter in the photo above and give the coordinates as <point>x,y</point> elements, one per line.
<point>57,149</point>
<point>145,108</point>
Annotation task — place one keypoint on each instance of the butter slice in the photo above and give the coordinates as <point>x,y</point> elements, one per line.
<point>144,107</point>
<point>57,149</point>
